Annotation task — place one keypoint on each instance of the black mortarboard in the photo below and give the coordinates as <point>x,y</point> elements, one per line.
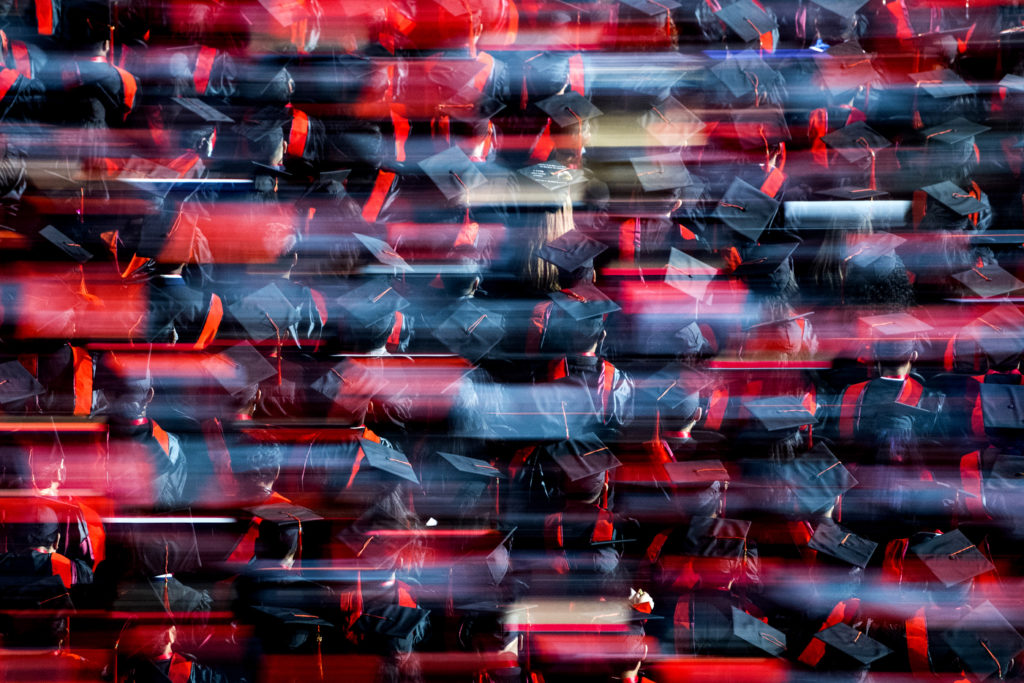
<point>988,281</point>
<point>855,142</point>
<point>265,314</point>
<point>284,514</point>
<point>763,260</point>
<point>671,123</point>
<point>164,545</point>
<point>346,379</point>
<point>453,173</point>
<point>844,8</point>
<point>746,209</point>
<point>402,627</point>
<point>871,248</point>
<point>661,172</point>
<point>651,9</point>
<point>853,193</point>
<point>473,466</point>
<point>238,368</point>
<point>853,643</point>
<point>387,460</point>
<point>1009,467</point>
<point>382,251</point>
<point>758,633</point>
<point>281,528</point>
<point>555,410</point>
<point>747,19</point>
<point>760,126</point>
<point>999,333</point>
<point>816,478</point>
<point>67,245</point>
<point>984,641</point>
<point>952,557</point>
<point>553,176</point>
<point>846,67</point>
<point>675,389</point>
<point>780,412</point>
<point>470,331</point>
<point>202,110</point>
<point>569,108</point>
<point>953,198</point>
<point>717,537</point>
<point>696,472</point>
<point>584,301</point>
<point>572,250</point>
<point>895,325</point>
<point>1012,82</point>
<point>296,627</point>
<point>17,383</point>
<point>372,301</point>
<point>582,456</point>
<point>1002,405</point>
<point>842,544</point>
<point>954,131</point>
<point>740,73</point>
<point>688,275</point>
<point>691,340</point>
<point>941,83</point>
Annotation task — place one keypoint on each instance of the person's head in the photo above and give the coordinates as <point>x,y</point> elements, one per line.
<point>464,276</point>
<point>127,391</point>
<point>36,529</point>
<point>148,641</point>
<point>257,465</point>
<point>895,357</point>
<point>278,543</point>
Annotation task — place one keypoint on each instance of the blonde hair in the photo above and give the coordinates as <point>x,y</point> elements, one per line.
<point>555,223</point>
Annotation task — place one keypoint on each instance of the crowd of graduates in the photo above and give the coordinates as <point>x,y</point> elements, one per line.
<point>511,340</point>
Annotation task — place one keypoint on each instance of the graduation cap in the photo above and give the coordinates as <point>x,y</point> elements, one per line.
<point>853,643</point>
<point>760,126</point>
<point>346,377</point>
<point>675,389</point>
<point>688,275</point>
<point>955,131</point>
<point>265,314</point>
<point>985,641</point>
<point>1002,406</point>
<point>745,73</point>
<point>856,142</point>
<point>691,340</point>
<point>989,280</point>
<point>652,9</point>
<point>239,368</point>
<point>763,260</point>
<point>387,460</point>
<point>844,8</point>
<point>952,557</point>
<point>453,173</point>
<point>383,252</point>
<point>493,549</point>
<point>67,245</point>
<point>817,478</point>
<point>746,19</point>
<point>1012,82</point>
<point>1009,467</point>
<point>397,626</point>
<point>163,545</point>
<point>717,537</point>
<point>846,67</point>
<point>746,209</point>
<point>696,472</point>
<point>869,249</point>
<point>842,544</point>
<point>758,633</point>
<point>372,301</point>
<point>297,626</point>
<point>671,123</point>
<point>895,325</point>
<point>284,514</point>
<point>584,301</point>
<point>999,333</point>
<point>940,83</point>
<point>569,109</point>
<point>571,251</point>
<point>780,412</point>
<point>17,383</point>
<point>582,456</point>
<point>472,466</point>
<point>278,521</point>
<point>554,410</point>
<point>853,193</point>
<point>470,331</point>
<point>201,110</point>
<point>953,198</point>
<point>661,172</point>
<point>553,176</point>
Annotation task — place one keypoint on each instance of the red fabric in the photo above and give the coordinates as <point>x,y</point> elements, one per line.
<point>849,409</point>
<point>211,324</point>
<point>395,338</point>
<point>298,134</point>
<point>381,187</point>
<point>61,566</point>
<point>129,88</point>
<point>203,68</point>
<point>917,643</point>
<point>162,438</point>
<point>22,61</point>
<point>44,17</point>
<point>773,183</point>
<point>7,79</point>
<point>817,128</point>
<point>82,363</point>
<point>842,612</point>
<point>577,77</point>
<point>180,670</point>
<point>970,479</point>
<point>544,145</point>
